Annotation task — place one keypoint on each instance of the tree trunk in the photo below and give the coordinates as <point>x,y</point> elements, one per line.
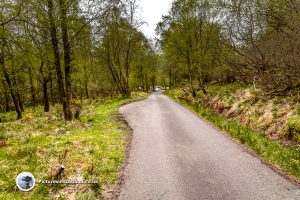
<point>52,97</point>
<point>46,98</point>
<point>55,48</point>
<point>153,83</point>
<point>32,88</point>
<point>45,89</point>
<point>147,85</point>
<point>20,101</point>
<point>67,59</point>
<point>127,66</point>
<point>86,88</point>
<point>7,108</point>
<point>12,93</point>
<point>86,82</point>
<point>190,73</point>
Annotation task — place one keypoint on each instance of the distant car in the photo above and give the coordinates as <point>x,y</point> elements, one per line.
<point>157,89</point>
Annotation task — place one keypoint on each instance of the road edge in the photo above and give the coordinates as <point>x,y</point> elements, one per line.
<point>128,146</point>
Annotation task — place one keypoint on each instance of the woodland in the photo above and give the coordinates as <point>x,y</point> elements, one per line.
<point>61,51</point>
<point>66,66</point>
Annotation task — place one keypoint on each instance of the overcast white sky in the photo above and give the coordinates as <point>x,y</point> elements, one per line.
<point>151,12</point>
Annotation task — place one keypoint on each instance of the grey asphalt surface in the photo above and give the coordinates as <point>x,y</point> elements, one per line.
<point>175,155</point>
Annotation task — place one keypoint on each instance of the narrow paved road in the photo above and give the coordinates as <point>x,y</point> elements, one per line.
<point>176,155</point>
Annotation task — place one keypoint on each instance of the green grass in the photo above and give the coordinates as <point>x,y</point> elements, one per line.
<point>95,146</point>
<point>294,125</point>
<point>225,91</point>
<point>286,158</point>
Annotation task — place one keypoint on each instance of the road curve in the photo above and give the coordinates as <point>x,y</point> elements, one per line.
<point>176,156</point>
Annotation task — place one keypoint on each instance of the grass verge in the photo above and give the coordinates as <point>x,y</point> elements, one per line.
<point>94,146</point>
<point>285,158</point>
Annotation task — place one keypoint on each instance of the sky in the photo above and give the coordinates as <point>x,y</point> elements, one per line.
<point>151,13</point>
